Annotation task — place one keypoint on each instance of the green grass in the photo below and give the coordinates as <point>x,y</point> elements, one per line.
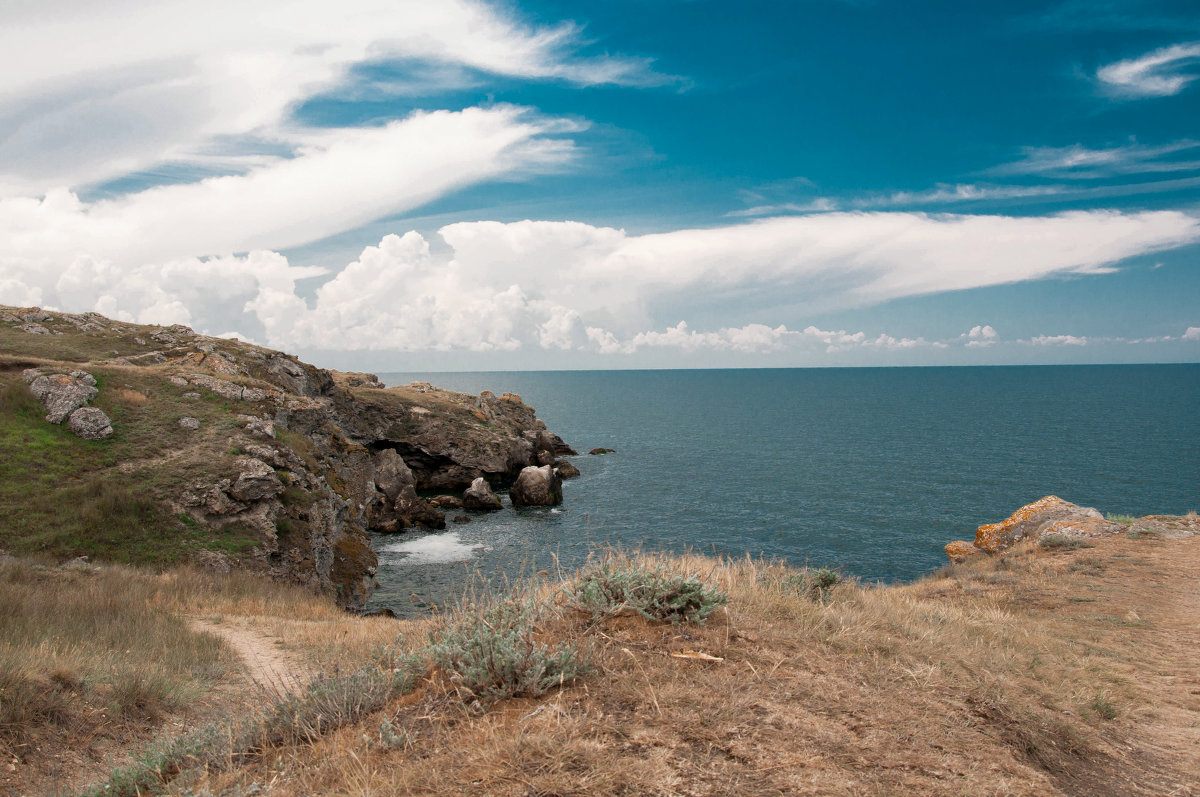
<point>1124,520</point>
<point>61,497</point>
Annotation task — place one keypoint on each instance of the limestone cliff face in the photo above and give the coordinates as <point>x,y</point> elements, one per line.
<point>302,460</point>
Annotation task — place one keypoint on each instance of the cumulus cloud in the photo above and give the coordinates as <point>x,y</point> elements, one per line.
<point>980,336</point>
<point>1059,340</point>
<point>1159,73</point>
<point>1192,333</point>
<point>106,89</point>
<point>491,286</point>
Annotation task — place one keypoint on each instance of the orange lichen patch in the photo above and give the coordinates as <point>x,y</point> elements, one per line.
<point>960,550</point>
<point>994,537</point>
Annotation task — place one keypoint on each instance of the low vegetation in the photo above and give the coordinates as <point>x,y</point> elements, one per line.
<point>637,675</point>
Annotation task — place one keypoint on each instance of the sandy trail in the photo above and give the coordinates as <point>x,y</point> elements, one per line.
<point>268,664</point>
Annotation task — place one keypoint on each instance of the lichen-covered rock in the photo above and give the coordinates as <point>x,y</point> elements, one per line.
<point>1079,527</point>
<point>536,487</point>
<point>480,496</point>
<point>960,550</point>
<point>1030,520</point>
<point>61,394</point>
<point>90,423</point>
<point>258,427</point>
<point>256,480</point>
<point>188,422</point>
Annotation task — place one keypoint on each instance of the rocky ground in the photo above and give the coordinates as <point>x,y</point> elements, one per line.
<point>231,455</point>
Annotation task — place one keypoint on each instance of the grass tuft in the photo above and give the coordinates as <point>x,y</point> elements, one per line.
<point>1063,542</point>
<point>489,652</point>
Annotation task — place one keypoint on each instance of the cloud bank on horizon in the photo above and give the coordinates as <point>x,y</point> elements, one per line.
<point>171,166</point>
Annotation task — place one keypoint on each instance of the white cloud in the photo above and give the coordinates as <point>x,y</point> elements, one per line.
<point>1156,74</point>
<point>491,286</point>
<point>1192,333</point>
<point>1079,162</point>
<point>1059,340</point>
<point>100,90</point>
<point>339,180</point>
<point>980,336</point>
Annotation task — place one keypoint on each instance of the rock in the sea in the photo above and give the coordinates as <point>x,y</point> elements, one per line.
<point>446,502</point>
<point>415,511</point>
<point>565,469</point>
<point>536,487</point>
<point>90,423</point>
<point>480,496</point>
<point>61,394</point>
<point>256,480</point>
<point>602,451</point>
<point>1049,515</point>
<point>461,518</point>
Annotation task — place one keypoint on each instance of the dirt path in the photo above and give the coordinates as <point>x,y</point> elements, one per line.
<point>267,664</point>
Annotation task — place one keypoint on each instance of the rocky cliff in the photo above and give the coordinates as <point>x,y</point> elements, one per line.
<point>233,455</point>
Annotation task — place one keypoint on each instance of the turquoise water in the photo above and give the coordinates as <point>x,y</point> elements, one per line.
<point>869,470</point>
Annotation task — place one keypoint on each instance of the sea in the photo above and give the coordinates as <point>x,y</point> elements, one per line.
<point>867,470</point>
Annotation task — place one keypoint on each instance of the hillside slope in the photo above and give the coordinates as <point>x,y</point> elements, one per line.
<point>227,454</point>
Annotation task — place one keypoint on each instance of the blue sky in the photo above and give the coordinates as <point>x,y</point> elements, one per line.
<point>466,185</point>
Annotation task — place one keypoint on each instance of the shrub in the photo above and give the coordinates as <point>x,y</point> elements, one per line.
<point>1063,542</point>
<point>489,652</point>
<point>615,586</point>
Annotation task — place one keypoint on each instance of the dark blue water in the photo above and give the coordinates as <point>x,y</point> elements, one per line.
<point>869,470</point>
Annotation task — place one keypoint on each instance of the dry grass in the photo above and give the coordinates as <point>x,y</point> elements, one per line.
<point>997,677</point>
<point>1041,672</point>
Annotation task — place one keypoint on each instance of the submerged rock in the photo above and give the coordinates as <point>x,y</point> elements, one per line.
<point>536,487</point>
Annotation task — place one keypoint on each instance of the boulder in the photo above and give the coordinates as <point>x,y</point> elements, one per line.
<point>602,451</point>
<point>392,475</point>
<point>536,487</point>
<point>480,496</point>
<point>565,469</point>
<point>62,394</point>
<point>90,423</point>
<point>1031,519</point>
<point>256,480</point>
<point>960,550</point>
<point>258,427</point>
<point>461,518</point>
<point>446,502</point>
<point>188,422</point>
<point>415,511</point>
<point>1049,515</point>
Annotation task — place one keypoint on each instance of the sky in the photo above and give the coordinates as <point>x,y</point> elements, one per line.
<point>399,185</point>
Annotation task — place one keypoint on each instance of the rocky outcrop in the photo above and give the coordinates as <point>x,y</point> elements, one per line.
<point>90,423</point>
<point>480,496</point>
<point>1046,516</point>
<point>61,393</point>
<point>536,487</point>
<point>299,461</point>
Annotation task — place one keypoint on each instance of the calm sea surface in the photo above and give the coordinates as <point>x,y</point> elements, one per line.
<point>868,470</point>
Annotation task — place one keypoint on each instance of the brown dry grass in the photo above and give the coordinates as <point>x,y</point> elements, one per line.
<point>1065,672</point>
